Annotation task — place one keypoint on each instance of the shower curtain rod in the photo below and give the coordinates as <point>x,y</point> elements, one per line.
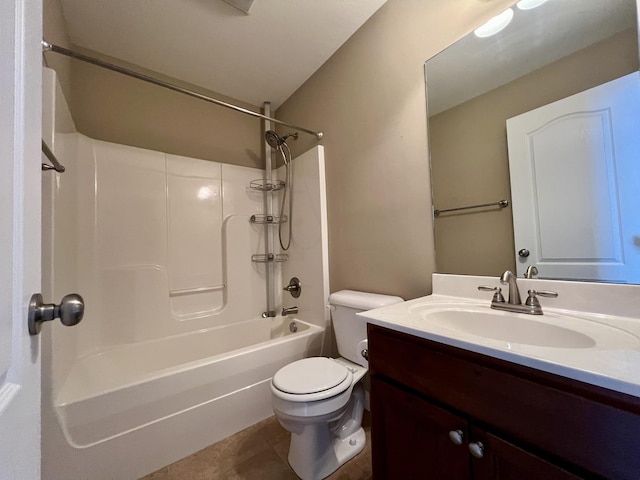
<point>49,47</point>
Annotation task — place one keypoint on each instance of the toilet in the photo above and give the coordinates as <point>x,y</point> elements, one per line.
<point>321,400</point>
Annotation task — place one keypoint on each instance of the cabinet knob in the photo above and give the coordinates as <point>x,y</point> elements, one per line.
<point>456,436</point>
<point>476,449</point>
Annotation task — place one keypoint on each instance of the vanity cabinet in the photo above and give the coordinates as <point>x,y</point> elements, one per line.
<point>532,425</point>
<point>415,439</point>
<point>502,460</point>
<point>411,435</point>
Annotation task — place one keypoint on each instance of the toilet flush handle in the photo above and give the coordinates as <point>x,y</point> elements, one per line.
<point>363,348</point>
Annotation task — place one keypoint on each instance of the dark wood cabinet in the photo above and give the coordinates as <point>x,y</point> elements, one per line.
<point>412,437</point>
<point>524,424</point>
<point>503,461</point>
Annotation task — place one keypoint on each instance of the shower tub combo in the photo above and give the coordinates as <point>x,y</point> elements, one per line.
<point>173,353</point>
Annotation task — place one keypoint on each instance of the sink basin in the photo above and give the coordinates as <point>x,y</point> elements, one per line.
<point>549,330</point>
<point>510,329</point>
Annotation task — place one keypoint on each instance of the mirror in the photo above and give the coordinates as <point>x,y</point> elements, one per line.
<point>524,117</point>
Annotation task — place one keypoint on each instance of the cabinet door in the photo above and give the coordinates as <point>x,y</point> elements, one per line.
<point>410,437</point>
<point>504,461</point>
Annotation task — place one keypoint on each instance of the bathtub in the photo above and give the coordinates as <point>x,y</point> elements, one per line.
<point>132,409</point>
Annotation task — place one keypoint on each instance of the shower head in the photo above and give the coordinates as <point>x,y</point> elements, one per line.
<point>275,141</point>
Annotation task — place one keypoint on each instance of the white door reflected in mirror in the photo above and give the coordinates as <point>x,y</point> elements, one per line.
<point>574,180</point>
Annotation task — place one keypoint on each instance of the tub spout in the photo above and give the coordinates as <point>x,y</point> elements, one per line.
<point>290,310</point>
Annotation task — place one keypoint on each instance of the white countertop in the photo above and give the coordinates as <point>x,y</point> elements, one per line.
<point>613,362</point>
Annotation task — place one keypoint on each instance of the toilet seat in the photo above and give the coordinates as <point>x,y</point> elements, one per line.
<point>311,379</point>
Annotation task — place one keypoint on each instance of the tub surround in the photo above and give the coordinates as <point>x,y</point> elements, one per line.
<point>611,312</point>
<point>309,252</point>
<point>172,353</point>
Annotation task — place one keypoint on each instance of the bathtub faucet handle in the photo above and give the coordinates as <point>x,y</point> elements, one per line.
<point>294,287</point>
<point>288,311</point>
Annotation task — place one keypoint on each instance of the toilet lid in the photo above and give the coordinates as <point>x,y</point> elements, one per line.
<point>309,375</point>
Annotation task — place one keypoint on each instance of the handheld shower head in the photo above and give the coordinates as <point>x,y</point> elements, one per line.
<point>276,141</point>
<point>280,143</point>
<point>273,139</point>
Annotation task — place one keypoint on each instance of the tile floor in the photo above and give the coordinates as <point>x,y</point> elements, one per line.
<point>258,452</point>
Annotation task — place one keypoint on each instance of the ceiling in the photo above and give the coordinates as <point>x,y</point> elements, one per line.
<point>533,39</point>
<point>264,56</point>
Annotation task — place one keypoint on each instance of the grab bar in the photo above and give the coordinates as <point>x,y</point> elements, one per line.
<point>501,204</point>
<point>52,158</point>
<point>189,291</point>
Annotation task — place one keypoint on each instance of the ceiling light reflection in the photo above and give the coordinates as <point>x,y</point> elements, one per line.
<point>495,25</point>
<point>529,4</point>
<point>205,192</point>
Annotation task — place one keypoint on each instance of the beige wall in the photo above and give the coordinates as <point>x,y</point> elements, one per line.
<point>109,106</point>
<point>115,108</point>
<point>470,161</point>
<point>369,99</point>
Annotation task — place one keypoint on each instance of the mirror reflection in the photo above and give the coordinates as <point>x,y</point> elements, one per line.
<point>539,110</point>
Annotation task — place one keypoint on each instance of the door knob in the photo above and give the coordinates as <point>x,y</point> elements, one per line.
<point>70,311</point>
<point>523,253</point>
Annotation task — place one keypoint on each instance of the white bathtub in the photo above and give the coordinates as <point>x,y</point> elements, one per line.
<point>135,408</point>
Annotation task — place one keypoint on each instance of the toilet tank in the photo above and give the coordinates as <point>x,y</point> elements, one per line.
<point>351,329</point>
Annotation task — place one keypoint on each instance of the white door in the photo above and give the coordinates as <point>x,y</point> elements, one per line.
<point>575,184</point>
<point>20,176</point>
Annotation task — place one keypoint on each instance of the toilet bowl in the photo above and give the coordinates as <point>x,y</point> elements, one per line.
<point>321,400</point>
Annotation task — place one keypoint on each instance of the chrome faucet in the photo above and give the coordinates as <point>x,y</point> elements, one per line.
<point>514,304</point>
<point>288,311</point>
<point>508,278</point>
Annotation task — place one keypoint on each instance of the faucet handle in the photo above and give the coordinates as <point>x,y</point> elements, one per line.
<point>497,297</point>
<point>532,300</point>
<point>485,288</point>
<point>544,293</point>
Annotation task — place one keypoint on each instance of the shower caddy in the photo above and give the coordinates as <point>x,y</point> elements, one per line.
<point>268,186</point>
